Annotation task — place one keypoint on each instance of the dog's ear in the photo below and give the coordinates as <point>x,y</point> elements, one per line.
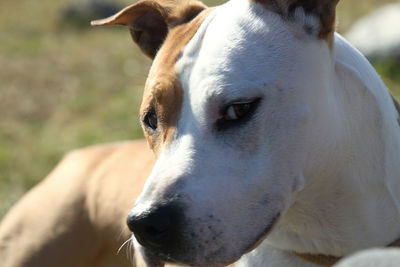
<point>149,20</point>
<point>323,10</point>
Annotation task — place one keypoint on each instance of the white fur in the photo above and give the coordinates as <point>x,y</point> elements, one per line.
<point>323,148</point>
<point>388,257</point>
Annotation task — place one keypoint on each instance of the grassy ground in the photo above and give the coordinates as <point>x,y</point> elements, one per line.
<point>62,88</point>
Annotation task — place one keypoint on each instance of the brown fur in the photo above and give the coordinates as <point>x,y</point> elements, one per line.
<point>325,10</point>
<point>149,21</point>
<point>166,25</point>
<point>76,216</point>
<point>163,91</point>
<point>397,106</point>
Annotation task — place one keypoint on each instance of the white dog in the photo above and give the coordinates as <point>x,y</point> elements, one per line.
<point>277,144</point>
<point>271,132</point>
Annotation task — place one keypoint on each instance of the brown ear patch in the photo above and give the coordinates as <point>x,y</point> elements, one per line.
<point>324,10</point>
<point>148,32</point>
<point>149,20</point>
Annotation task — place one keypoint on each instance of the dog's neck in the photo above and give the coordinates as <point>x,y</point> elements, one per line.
<point>353,202</point>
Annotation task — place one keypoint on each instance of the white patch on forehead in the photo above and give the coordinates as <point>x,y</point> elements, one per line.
<point>240,50</point>
<point>207,64</point>
<point>227,41</point>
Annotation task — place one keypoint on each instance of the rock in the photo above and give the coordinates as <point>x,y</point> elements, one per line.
<point>377,35</point>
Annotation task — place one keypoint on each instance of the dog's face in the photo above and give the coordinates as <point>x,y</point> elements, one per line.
<point>229,108</point>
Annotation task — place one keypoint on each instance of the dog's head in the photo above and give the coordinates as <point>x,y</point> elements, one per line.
<point>235,108</point>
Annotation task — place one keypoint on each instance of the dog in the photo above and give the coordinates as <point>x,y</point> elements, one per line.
<point>76,216</point>
<point>276,144</point>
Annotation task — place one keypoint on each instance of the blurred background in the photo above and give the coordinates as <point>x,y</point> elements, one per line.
<point>64,85</point>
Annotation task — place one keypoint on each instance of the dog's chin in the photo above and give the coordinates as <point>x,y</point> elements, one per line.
<point>263,235</point>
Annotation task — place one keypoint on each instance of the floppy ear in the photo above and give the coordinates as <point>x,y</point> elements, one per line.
<point>149,20</point>
<point>323,10</point>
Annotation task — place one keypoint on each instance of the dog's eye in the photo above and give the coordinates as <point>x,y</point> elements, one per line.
<point>150,120</point>
<point>237,113</point>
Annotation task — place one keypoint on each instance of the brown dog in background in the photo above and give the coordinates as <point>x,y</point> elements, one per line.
<point>76,216</point>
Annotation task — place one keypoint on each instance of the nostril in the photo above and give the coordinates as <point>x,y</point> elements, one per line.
<point>153,232</point>
<point>147,227</point>
<point>156,232</point>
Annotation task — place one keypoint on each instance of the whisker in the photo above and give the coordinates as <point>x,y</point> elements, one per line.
<point>130,253</point>
<point>123,244</point>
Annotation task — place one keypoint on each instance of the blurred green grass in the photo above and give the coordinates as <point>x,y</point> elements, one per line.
<point>62,88</point>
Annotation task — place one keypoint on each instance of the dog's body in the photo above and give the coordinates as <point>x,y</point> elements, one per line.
<point>76,216</point>
<point>271,132</point>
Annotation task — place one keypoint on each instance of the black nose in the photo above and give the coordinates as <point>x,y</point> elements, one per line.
<point>158,228</point>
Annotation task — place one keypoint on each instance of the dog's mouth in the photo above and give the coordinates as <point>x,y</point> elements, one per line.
<point>159,259</point>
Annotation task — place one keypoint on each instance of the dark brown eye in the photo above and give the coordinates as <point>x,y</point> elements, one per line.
<point>150,120</point>
<point>237,111</point>
<point>237,114</point>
